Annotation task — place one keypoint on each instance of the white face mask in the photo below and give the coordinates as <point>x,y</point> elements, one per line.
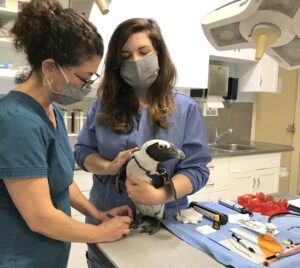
<point>142,73</point>
<point>70,94</point>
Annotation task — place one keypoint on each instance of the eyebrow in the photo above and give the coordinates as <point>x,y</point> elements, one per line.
<point>128,51</point>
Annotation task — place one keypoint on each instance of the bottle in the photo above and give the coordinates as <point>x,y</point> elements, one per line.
<point>6,65</point>
<point>67,119</point>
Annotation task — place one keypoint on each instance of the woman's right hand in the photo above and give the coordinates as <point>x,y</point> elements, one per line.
<point>114,229</point>
<point>122,157</point>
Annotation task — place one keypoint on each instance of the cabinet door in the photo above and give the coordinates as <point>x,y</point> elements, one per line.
<point>218,180</point>
<point>268,74</point>
<point>241,183</point>
<point>267,180</point>
<point>259,76</point>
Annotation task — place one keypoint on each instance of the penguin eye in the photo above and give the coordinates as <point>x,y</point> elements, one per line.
<point>160,146</point>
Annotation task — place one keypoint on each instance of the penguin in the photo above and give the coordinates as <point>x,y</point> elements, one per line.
<point>146,165</point>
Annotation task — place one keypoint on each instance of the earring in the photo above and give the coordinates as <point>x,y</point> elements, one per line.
<point>47,81</point>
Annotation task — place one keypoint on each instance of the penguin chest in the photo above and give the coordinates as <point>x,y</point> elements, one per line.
<point>150,210</point>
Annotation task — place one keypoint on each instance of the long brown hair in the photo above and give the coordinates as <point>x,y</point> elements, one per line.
<point>118,101</point>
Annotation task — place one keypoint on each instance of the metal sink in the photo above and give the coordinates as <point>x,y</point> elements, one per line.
<point>232,147</point>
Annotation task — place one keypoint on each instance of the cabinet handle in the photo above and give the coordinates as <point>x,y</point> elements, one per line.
<point>260,80</point>
<point>254,182</point>
<point>258,184</point>
<point>211,167</point>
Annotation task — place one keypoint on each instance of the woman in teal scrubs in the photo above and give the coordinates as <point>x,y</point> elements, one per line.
<point>36,162</point>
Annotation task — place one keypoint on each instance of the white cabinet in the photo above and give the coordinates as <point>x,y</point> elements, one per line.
<point>234,176</point>
<point>254,173</point>
<point>253,75</point>
<point>260,76</point>
<point>267,180</point>
<point>217,184</point>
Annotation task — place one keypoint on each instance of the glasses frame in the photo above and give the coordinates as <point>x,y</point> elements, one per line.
<point>87,82</point>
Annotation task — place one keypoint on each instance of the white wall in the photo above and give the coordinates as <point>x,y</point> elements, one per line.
<point>180,25</point>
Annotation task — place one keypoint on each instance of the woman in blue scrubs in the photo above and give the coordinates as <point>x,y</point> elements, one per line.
<point>137,103</point>
<point>36,162</point>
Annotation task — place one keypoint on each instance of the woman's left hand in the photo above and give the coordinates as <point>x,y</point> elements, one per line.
<point>120,211</point>
<point>144,193</point>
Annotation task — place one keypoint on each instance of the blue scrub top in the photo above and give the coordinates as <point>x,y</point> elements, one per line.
<point>31,147</point>
<point>187,132</point>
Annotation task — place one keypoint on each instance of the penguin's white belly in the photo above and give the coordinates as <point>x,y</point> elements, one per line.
<point>150,210</point>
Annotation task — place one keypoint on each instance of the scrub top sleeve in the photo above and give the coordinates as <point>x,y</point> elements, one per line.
<point>86,140</point>
<point>23,150</point>
<point>195,147</point>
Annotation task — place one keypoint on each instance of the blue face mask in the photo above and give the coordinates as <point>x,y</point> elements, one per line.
<point>70,94</point>
<point>142,73</point>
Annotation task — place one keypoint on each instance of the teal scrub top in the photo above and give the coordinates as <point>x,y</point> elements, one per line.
<point>31,147</point>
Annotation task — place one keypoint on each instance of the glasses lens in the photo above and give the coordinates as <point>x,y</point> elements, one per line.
<point>87,83</point>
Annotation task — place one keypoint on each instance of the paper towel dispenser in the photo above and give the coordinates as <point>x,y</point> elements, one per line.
<point>218,80</point>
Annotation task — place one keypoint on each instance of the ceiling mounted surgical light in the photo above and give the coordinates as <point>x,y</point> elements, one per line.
<point>270,26</point>
<point>103,6</point>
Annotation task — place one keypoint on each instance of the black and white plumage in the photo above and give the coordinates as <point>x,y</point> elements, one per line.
<point>145,165</point>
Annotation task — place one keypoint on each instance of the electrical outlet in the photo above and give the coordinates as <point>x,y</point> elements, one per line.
<point>207,111</point>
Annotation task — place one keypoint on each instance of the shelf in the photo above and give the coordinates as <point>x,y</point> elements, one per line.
<point>8,12</point>
<point>7,15</point>
<point>8,73</point>
<point>6,42</point>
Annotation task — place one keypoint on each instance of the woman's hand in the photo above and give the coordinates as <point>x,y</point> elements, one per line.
<point>144,193</point>
<point>115,165</point>
<point>120,211</point>
<point>113,229</point>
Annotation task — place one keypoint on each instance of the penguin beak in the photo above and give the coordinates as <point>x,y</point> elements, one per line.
<point>176,153</point>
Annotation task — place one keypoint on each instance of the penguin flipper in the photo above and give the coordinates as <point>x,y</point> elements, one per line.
<point>120,179</point>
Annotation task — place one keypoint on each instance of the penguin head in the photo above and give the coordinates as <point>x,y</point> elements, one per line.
<point>161,150</point>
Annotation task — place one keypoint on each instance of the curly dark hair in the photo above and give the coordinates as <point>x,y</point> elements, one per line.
<point>45,30</point>
<point>118,101</point>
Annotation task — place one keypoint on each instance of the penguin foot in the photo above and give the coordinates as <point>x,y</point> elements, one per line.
<point>151,228</point>
<point>137,221</point>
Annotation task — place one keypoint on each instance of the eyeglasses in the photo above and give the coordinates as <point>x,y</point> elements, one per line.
<point>88,82</point>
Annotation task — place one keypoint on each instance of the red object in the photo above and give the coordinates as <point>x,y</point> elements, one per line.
<point>263,204</point>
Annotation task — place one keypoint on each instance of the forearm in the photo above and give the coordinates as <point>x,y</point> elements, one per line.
<point>59,226</point>
<point>95,164</point>
<point>83,205</point>
<point>182,185</point>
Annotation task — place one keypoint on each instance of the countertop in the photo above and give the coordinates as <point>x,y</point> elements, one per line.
<point>163,250</point>
<point>160,250</point>
<point>260,148</point>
